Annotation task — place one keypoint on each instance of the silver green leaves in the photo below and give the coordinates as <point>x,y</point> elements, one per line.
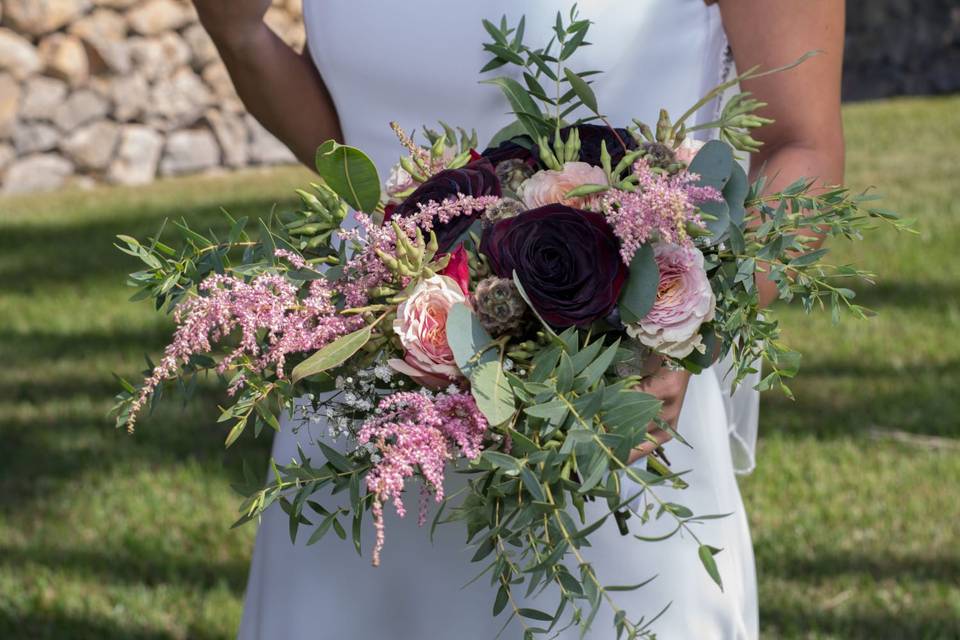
<point>492,391</point>
<point>640,291</point>
<point>476,355</point>
<point>350,173</point>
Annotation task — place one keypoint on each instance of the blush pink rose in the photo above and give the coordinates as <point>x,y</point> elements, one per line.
<point>684,302</point>
<point>421,325</point>
<point>688,150</point>
<point>549,186</point>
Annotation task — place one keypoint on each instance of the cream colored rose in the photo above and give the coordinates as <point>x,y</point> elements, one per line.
<point>549,186</point>
<point>421,325</point>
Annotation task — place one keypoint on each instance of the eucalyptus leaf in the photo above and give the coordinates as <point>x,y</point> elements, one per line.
<point>350,173</point>
<point>640,291</point>
<point>466,337</point>
<point>493,392</point>
<point>706,554</point>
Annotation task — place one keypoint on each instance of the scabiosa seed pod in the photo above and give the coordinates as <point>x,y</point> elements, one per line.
<point>512,173</point>
<point>659,155</point>
<point>506,208</point>
<point>500,307</point>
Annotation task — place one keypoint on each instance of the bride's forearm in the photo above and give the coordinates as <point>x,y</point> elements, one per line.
<point>279,87</point>
<point>782,165</point>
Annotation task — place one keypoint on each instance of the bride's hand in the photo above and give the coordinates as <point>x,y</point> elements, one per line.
<point>670,387</point>
<point>230,21</point>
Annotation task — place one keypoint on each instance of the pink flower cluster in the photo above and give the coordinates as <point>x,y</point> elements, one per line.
<point>657,211</point>
<point>268,308</point>
<point>365,270</point>
<point>414,431</point>
<point>432,212</point>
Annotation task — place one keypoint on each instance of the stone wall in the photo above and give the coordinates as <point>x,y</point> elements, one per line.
<point>901,47</point>
<point>121,91</point>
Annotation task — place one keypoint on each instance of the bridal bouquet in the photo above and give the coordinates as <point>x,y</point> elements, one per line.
<point>491,310</point>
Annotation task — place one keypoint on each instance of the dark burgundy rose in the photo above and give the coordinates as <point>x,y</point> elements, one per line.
<point>512,150</point>
<point>567,260</point>
<point>591,135</point>
<point>475,179</point>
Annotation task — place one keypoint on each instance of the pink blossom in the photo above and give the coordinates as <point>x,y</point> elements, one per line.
<point>684,302</point>
<point>549,186</point>
<point>657,211</point>
<point>688,150</point>
<point>421,325</point>
<point>415,432</point>
<point>431,212</point>
<point>268,316</point>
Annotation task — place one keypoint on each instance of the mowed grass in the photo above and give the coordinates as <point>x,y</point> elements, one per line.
<point>855,505</point>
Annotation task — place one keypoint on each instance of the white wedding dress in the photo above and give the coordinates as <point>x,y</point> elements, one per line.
<point>417,63</point>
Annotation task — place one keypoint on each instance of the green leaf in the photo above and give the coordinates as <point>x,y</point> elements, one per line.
<point>466,337</point>
<point>350,173</point>
<point>524,107</point>
<point>515,131</point>
<point>564,373</point>
<point>713,163</point>
<point>640,292</point>
<point>582,89</point>
<point>532,485</point>
<point>501,600</point>
<point>334,457</point>
<point>502,461</point>
<point>553,411</point>
<point>526,298</point>
<point>235,432</point>
<point>735,194</point>
<point>595,370</point>
<point>535,614</point>
<point>334,354</point>
<point>493,392</point>
<point>706,554</point>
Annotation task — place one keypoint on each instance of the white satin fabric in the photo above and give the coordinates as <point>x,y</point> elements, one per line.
<point>417,63</point>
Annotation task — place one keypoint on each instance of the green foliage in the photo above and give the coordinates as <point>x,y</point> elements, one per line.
<point>570,90</point>
<point>350,173</point>
<point>334,354</point>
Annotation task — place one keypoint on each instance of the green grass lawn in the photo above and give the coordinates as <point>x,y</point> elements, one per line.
<point>855,505</point>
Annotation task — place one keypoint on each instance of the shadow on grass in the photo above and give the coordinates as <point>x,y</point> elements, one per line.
<point>123,566</point>
<point>58,625</point>
<point>803,620</point>
<point>825,564</point>
<point>39,625</point>
<point>85,251</point>
<point>844,398</point>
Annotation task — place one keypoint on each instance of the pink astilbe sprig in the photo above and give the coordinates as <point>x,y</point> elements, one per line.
<point>658,210</point>
<point>272,319</point>
<point>416,432</point>
<point>431,212</point>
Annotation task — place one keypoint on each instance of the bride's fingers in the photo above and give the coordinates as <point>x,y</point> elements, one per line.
<point>648,447</point>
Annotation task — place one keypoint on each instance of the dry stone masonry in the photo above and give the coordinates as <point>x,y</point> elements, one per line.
<point>122,91</point>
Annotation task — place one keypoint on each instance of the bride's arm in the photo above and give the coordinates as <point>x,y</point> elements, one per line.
<point>278,86</point>
<point>806,139</point>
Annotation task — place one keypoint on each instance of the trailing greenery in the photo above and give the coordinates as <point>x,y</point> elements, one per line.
<point>852,516</point>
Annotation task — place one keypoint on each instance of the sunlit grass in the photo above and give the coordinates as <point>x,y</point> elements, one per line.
<point>103,535</point>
